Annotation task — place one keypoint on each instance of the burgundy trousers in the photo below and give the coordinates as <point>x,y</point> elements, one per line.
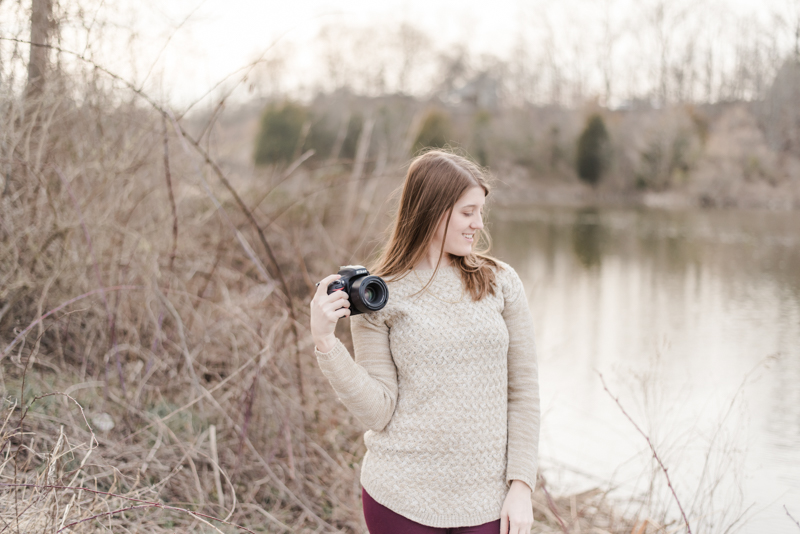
<point>381,520</point>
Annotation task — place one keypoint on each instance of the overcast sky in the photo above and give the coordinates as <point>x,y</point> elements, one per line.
<point>224,34</point>
<point>221,35</point>
<point>193,44</point>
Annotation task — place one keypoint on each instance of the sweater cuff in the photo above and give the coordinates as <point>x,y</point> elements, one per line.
<point>337,350</point>
<point>531,483</point>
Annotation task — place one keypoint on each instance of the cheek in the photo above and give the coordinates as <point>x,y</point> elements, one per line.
<point>454,232</point>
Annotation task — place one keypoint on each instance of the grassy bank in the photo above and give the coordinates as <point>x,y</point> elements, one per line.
<point>157,369</point>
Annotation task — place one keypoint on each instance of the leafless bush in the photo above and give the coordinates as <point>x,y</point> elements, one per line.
<point>693,479</point>
<point>174,333</point>
<point>163,293</point>
<point>148,293</point>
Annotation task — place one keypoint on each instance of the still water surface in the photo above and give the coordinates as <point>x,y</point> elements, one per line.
<point>693,319</point>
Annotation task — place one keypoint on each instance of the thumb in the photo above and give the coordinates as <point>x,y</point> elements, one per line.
<point>504,523</point>
<point>322,285</point>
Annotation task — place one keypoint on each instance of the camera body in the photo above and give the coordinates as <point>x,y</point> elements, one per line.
<point>367,292</point>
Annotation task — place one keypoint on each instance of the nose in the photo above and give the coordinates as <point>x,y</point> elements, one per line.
<point>477,225</point>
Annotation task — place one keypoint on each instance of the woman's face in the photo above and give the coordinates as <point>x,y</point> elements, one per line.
<point>465,223</point>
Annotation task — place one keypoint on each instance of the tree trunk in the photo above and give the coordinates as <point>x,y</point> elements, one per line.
<point>41,17</point>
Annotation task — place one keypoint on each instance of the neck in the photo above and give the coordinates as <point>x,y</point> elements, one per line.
<point>431,258</point>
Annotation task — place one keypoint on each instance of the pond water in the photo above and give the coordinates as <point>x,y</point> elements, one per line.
<point>693,319</point>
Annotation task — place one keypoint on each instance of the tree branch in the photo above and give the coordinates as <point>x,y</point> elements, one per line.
<point>652,449</point>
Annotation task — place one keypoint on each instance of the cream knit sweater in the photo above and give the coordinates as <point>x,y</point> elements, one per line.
<point>449,392</point>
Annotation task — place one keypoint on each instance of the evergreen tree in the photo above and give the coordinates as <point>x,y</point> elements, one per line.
<point>593,151</point>
<point>281,126</point>
<point>436,131</point>
<point>482,125</point>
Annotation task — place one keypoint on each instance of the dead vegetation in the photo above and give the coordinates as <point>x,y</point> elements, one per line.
<point>156,369</point>
<point>153,374</point>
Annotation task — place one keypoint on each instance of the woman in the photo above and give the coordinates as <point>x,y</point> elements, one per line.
<point>445,376</point>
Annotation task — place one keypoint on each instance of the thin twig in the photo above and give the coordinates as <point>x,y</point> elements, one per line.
<point>169,39</point>
<point>552,505</point>
<point>147,504</point>
<point>791,516</point>
<point>109,314</point>
<point>57,309</point>
<point>172,205</point>
<point>251,218</point>
<point>103,514</point>
<point>652,449</point>
<point>249,398</point>
<point>195,400</point>
<point>286,175</point>
<point>212,440</point>
<point>93,443</point>
<point>217,170</point>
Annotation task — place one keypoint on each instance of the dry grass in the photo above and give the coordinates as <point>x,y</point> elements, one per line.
<point>155,361</point>
<point>195,336</point>
<point>153,374</point>
<point>156,366</point>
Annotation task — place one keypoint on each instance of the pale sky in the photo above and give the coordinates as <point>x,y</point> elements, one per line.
<point>219,36</point>
<point>225,34</point>
<point>222,35</point>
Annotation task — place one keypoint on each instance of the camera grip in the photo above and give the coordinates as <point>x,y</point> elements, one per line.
<point>336,285</point>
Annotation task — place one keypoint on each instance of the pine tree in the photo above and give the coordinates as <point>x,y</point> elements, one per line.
<point>593,151</point>
<point>281,127</point>
<point>436,131</point>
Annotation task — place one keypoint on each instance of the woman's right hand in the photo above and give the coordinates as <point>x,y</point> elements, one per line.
<point>325,312</point>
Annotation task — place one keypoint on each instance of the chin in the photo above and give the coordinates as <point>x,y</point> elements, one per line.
<point>461,251</point>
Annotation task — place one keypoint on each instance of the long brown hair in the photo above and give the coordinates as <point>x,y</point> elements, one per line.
<point>434,183</point>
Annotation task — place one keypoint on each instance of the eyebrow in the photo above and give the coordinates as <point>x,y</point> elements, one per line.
<point>470,206</point>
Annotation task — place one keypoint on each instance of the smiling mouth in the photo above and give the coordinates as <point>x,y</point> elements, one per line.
<point>469,237</point>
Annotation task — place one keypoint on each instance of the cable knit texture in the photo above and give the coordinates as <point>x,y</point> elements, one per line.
<point>449,392</point>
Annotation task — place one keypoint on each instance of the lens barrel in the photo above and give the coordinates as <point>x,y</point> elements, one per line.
<point>369,293</point>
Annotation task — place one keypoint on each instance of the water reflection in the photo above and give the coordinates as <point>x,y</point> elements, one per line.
<point>706,294</point>
<point>587,237</point>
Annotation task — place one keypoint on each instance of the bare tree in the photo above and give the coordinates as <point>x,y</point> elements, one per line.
<point>788,19</point>
<point>41,23</point>
<point>333,56</point>
<point>412,43</point>
<point>522,79</point>
<point>665,20</point>
<point>552,63</point>
<point>610,36</point>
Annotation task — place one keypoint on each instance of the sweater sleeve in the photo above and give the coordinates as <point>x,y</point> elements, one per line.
<point>368,384</point>
<point>523,383</point>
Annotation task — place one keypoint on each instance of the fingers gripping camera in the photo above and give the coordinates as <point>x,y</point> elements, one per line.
<point>367,293</point>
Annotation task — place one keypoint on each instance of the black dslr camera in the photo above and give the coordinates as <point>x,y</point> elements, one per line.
<point>367,293</point>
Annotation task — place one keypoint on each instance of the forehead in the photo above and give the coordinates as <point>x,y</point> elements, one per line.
<point>474,196</point>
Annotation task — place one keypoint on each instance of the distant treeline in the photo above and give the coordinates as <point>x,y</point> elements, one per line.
<point>639,147</point>
<point>546,141</point>
<point>553,53</point>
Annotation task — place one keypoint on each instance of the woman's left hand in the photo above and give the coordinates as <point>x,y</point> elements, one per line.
<point>516,516</point>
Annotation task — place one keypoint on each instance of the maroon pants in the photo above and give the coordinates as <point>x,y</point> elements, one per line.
<point>381,520</point>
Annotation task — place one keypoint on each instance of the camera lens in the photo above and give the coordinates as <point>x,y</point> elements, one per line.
<point>369,294</point>
<point>374,295</point>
